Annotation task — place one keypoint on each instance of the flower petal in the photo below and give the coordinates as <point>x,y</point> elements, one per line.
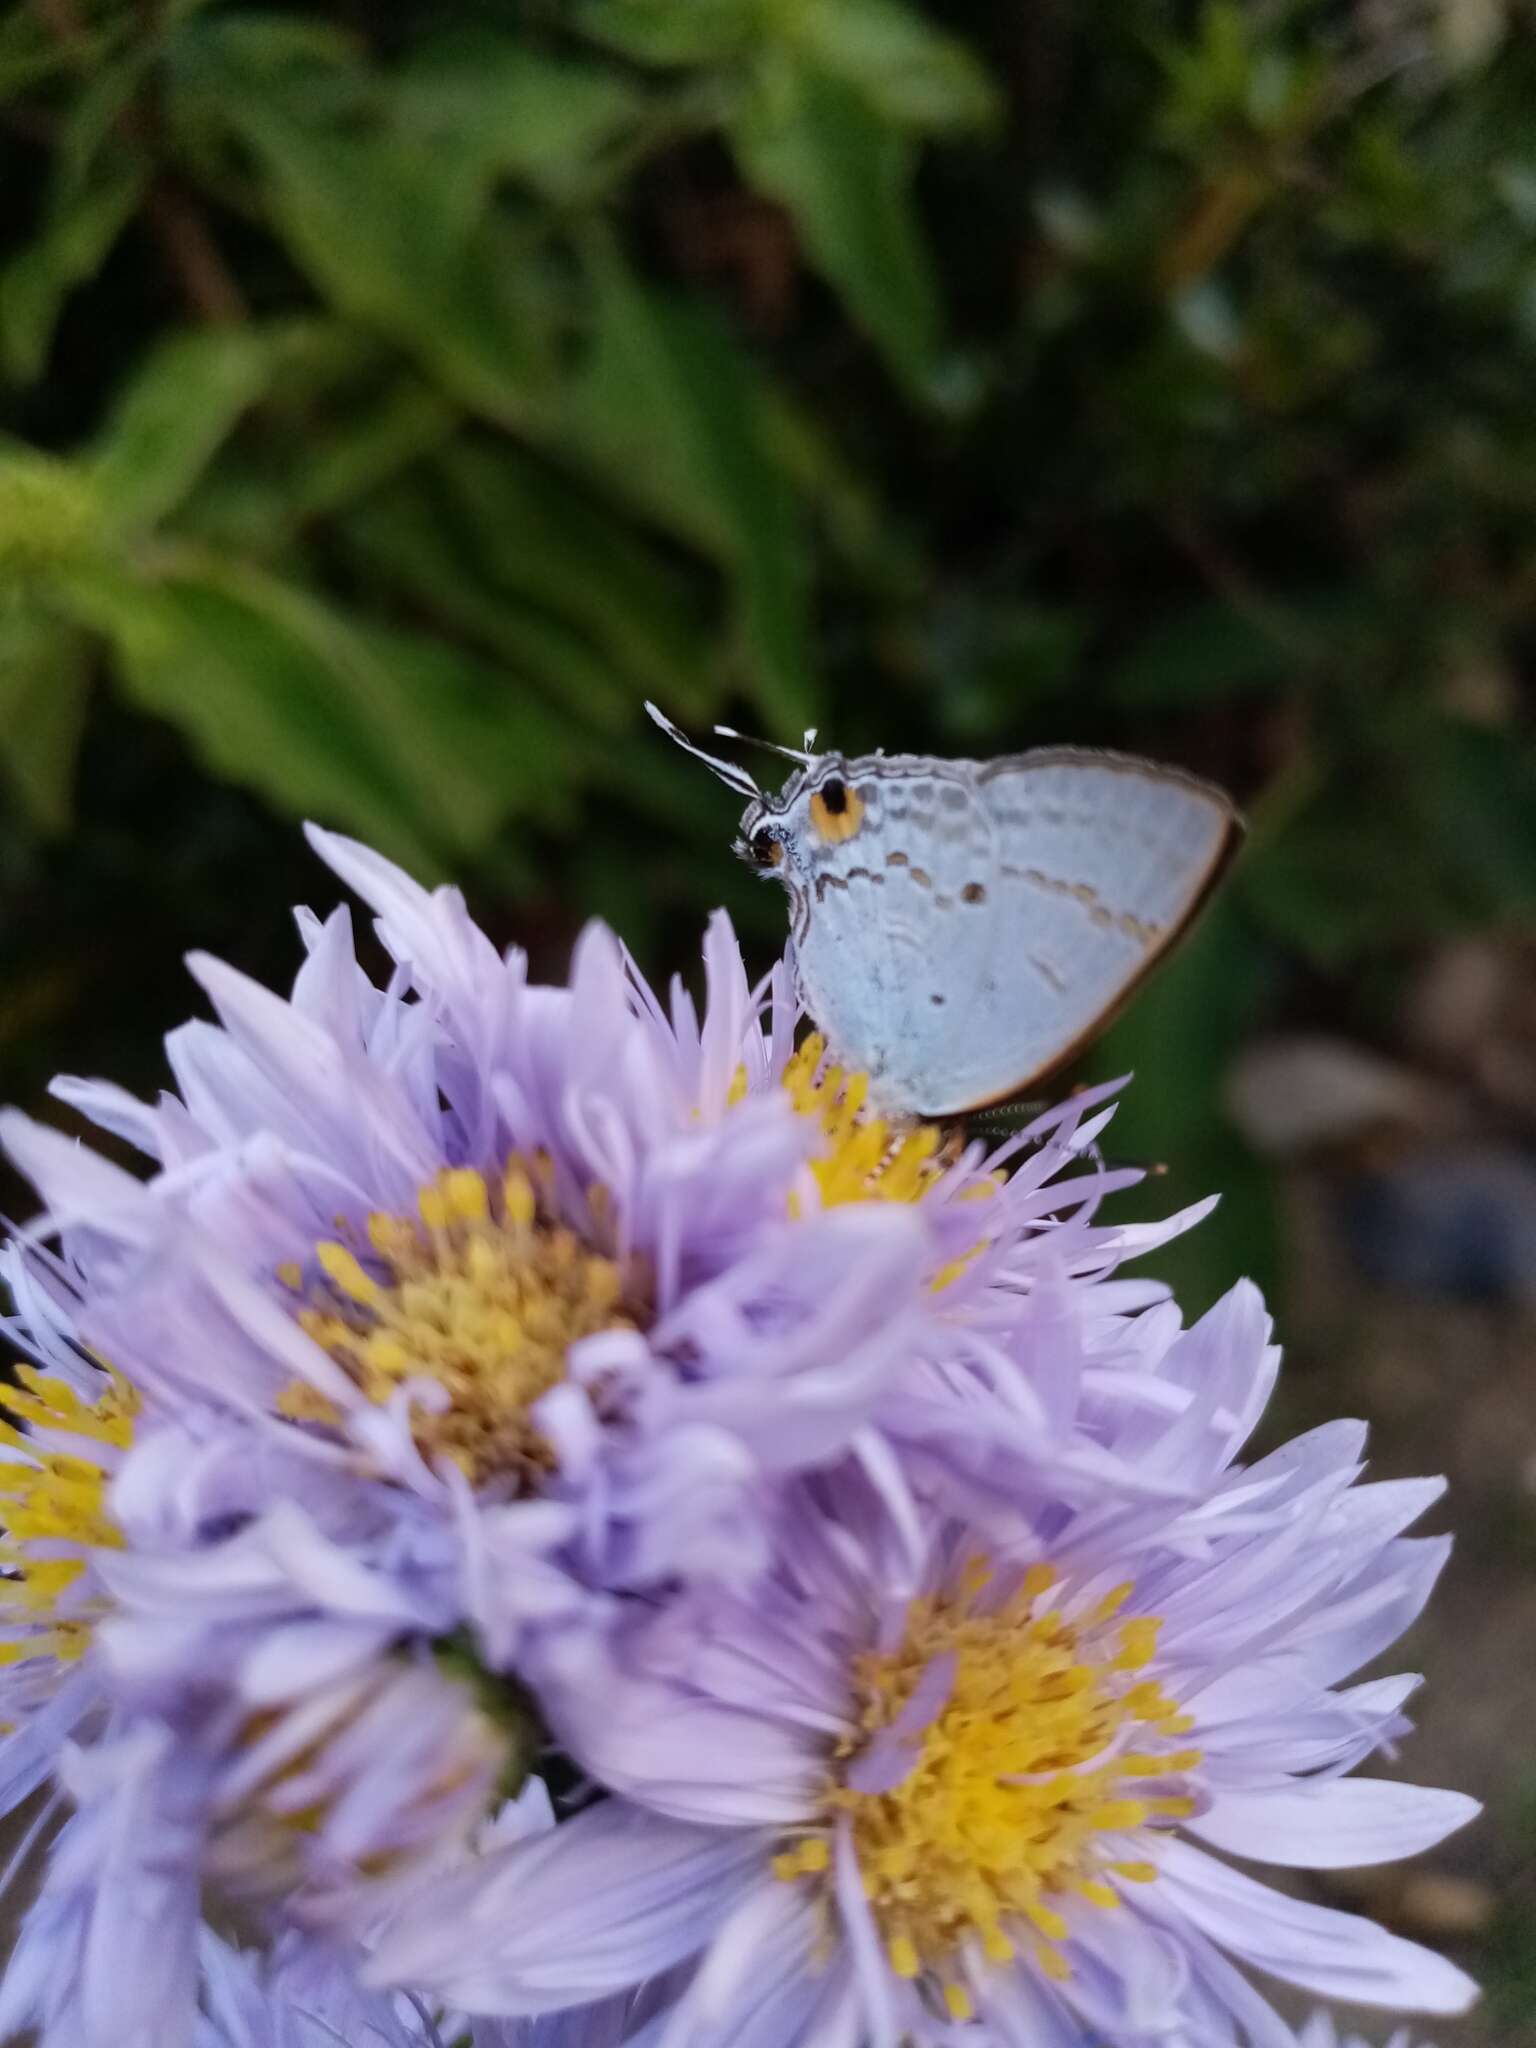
<point>611,1897</point>
<point>1339,1824</point>
<point>1338,1955</point>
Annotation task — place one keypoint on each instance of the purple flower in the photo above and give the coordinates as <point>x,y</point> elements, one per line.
<point>512,1362</point>
<point>485,1245</point>
<point>908,1783</point>
<point>447,1314</point>
<point>310,1812</point>
<point>570,1277</point>
<point>108,1950</point>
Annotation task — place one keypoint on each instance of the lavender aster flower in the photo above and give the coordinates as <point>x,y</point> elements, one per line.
<point>473,1240</point>
<point>465,1322</point>
<point>897,1790</point>
<point>444,1308</point>
<point>577,1276</point>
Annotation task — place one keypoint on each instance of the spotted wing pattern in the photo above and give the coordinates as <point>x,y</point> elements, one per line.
<point>988,918</point>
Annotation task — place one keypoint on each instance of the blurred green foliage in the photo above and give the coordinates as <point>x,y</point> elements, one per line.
<point>394,397</point>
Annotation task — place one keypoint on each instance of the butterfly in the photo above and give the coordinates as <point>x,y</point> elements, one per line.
<point>961,929</point>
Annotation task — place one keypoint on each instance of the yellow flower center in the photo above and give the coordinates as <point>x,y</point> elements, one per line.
<point>1043,1746</point>
<point>867,1159</point>
<point>52,1507</point>
<point>478,1291</point>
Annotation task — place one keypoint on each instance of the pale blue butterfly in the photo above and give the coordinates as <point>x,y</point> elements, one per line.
<point>963,928</point>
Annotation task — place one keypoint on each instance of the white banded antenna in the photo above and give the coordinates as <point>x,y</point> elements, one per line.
<point>729,773</point>
<point>746,739</point>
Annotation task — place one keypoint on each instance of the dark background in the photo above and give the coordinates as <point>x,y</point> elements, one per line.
<point>391,397</point>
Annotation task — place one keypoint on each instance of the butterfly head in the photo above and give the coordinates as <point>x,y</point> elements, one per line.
<point>790,834</point>
<point>787,835</point>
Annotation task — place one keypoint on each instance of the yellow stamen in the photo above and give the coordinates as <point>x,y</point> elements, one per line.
<point>485,1294</point>
<point>466,1195</point>
<point>1096,1892</point>
<point>1000,1828</point>
<point>1138,1644</point>
<point>53,1507</point>
<point>1112,1603</point>
<point>867,1159</point>
<point>341,1268</point>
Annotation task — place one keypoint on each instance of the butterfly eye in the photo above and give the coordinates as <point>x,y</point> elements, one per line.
<point>765,848</point>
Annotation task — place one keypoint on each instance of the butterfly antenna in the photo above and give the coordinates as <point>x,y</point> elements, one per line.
<point>734,777</point>
<point>727,732</point>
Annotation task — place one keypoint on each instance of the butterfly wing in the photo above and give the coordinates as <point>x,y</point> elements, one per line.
<point>1101,862</point>
<point>991,917</point>
<point>892,926</point>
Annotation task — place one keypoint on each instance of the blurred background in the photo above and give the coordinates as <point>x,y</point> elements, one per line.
<point>392,397</point>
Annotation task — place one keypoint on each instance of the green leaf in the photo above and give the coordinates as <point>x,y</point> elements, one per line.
<point>45,680</point>
<point>911,75</point>
<point>422,749</point>
<point>665,32</point>
<point>29,54</point>
<point>394,232</point>
<point>907,72</point>
<point>508,111</point>
<point>354,459</point>
<point>405,539</point>
<point>266,47</point>
<point>669,412</point>
<point>259,701</point>
<point>70,248</point>
<point>809,140</point>
<point>171,420</point>
<point>534,533</point>
<point>49,515</point>
<point>474,747</point>
<point>92,124</point>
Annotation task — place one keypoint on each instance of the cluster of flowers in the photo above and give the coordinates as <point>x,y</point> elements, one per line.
<point>544,1523</point>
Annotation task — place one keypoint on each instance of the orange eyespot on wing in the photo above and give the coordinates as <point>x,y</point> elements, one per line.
<point>836,812</point>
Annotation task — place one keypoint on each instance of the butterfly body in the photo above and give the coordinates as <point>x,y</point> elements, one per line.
<point>962,928</point>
